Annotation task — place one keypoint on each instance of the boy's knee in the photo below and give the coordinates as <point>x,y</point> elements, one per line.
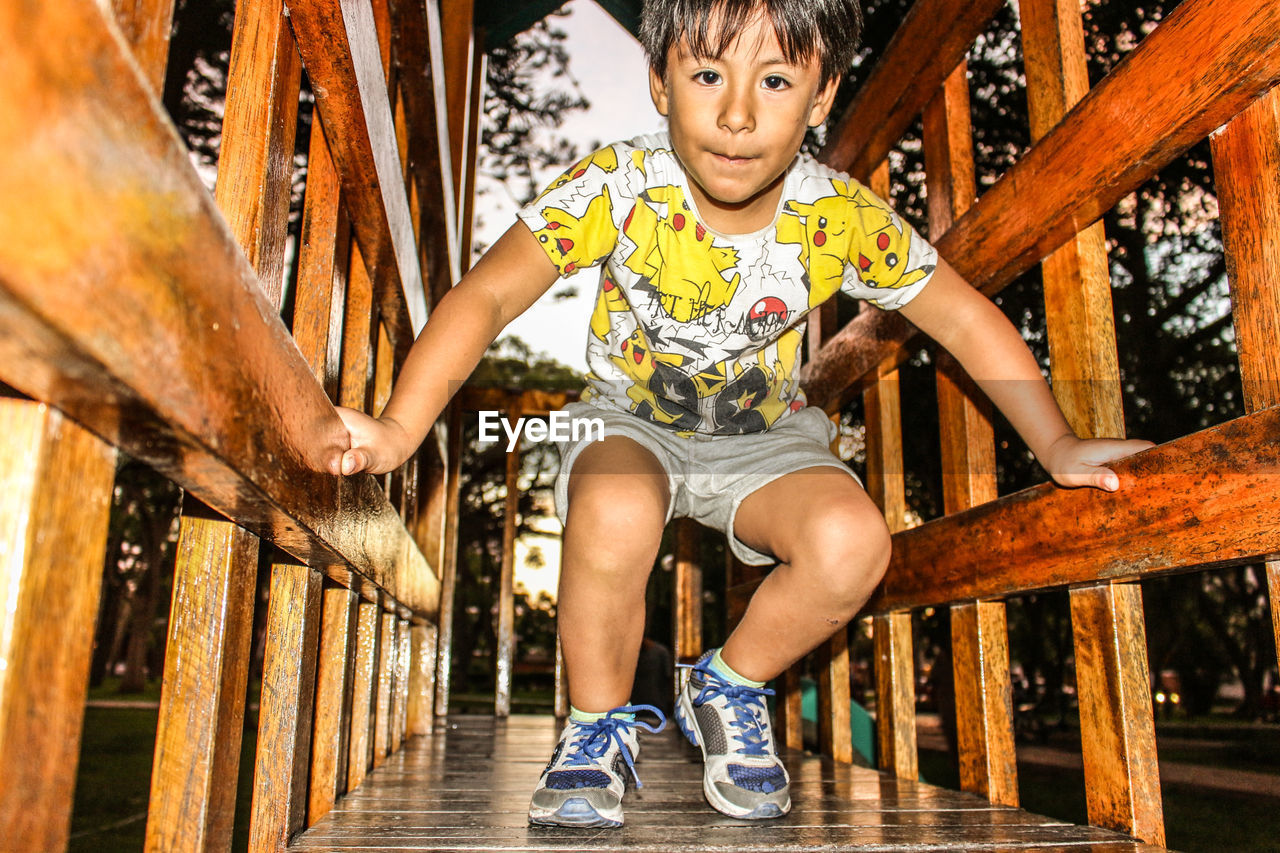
<point>612,528</point>
<point>849,549</point>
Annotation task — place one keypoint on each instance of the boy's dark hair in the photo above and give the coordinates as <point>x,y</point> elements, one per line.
<point>827,29</point>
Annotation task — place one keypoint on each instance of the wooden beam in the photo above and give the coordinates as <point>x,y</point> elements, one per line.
<point>904,80</point>
<point>285,711</point>
<point>334,675</point>
<point>339,46</point>
<point>198,377</point>
<point>1208,499</point>
<point>363,695</point>
<point>206,674</point>
<point>422,680</point>
<point>1246,169</point>
<point>422,90</point>
<point>147,26</point>
<point>1204,64</point>
<point>506,639</point>
<point>449,558</point>
<point>55,498</point>
<point>687,605</point>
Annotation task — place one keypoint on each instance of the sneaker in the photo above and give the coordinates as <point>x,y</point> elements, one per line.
<point>742,776</point>
<point>584,780</point>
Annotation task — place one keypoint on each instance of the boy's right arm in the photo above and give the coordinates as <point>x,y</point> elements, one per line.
<point>507,280</point>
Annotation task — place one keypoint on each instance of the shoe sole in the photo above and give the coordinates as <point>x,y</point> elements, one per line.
<point>688,722</point>
<point>575,812</point>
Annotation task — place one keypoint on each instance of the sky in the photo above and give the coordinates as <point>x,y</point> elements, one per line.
<point>610,68</point>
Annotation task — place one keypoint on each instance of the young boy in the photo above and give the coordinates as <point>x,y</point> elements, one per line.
<point>714,241</point>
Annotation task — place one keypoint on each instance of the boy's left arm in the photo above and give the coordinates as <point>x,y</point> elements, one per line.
<point>987,345</point>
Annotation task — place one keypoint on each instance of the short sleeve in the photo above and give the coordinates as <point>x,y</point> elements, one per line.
<point>576,216</point>
<point>889,263</point>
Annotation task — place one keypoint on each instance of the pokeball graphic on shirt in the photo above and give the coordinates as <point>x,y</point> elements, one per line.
<point>767,317</point>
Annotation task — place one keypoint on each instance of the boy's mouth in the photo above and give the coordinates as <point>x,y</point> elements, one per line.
<point>732,160</point>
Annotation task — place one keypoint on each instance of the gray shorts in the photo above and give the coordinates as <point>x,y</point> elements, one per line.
<point>708,477</point>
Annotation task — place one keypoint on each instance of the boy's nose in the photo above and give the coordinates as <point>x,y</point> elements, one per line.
<point>736,113</point>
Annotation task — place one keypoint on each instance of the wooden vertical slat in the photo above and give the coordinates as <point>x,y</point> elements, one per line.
<point>147,25</point>
<point>895,695</point>
<point>506,594</point>
<point>400,696</point>
<point>894,664</point>
<point>334,676</point>
<point>457,24</point>
<point>364,683</point>
<point>560,702</point>
<point>206,672</point>
<point>835,738</point>
<point>1246,169</point>
<point>420,716</point>
<point>979,635</point>
<point>688,592</point>
<point>317,312</point>
<point>285,711</point>
<point>258,130</point>
<point>449,556</point>
<point>835,734</point>
<point>789,709</point>
<point>387,648</point>
<point>358,332</point>
<point>1117,728</point>
<point>383,371</point>
<point>471,151</point>
<point>55,499</point>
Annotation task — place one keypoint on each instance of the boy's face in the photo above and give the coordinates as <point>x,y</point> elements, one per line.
<point>737,122</point>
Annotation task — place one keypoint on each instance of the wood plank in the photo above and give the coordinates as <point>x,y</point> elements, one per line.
<point>385,673</point>
<point>1208,499</point>
<point>457,27</point>
<point>1121,771</point>
<point>339,46</point>
<point>206,672</point>
<point>835,738</point>
<point>789,711</point>
<point>400,698</point>
<point>358,335</point>
<point>363,694</point>
<point>417,34</point>
<point>55,500</point>
<point>209,390</point>
<point>979,634</point>
<point>147,26</point>
<point>895,695</point>
<point>334,675</point>
<point>1226,55</point>
<point>506,639</point>
<point>420,713</point>
<point>449,562</point>
<point>471,149</point>
<point>904,80</point>
<point>258,130</point>
<point>279,806</point>
<point>1246,169</point>
<point>688,592</point>
<point>984,701</point>
<point>321,288</point>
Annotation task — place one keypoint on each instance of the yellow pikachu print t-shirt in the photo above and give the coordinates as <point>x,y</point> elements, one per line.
<point>701,331</point>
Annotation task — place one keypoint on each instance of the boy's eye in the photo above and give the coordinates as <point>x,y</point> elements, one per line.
<point>775,83</point>
<point>708,78</point>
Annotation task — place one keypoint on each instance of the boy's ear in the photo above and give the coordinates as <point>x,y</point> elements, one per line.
<point>658,91</point>
<point>822,102</point>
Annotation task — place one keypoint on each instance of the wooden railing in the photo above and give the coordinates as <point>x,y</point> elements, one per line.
<point>1200,501</point>
<point>139,313</point>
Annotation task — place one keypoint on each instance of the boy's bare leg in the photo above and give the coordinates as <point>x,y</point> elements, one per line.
<point>833,547</point>
<point>618,500</point>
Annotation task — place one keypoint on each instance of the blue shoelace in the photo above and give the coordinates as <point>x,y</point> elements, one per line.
<point>743,700</point>
<point>595,738</point>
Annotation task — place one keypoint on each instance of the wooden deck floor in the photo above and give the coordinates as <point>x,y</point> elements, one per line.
<point>467,787</point>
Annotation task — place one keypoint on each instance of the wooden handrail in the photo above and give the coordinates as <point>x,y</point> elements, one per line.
<point>197,376</point>
<point>1186,504</point>
<point>1203,65</point>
